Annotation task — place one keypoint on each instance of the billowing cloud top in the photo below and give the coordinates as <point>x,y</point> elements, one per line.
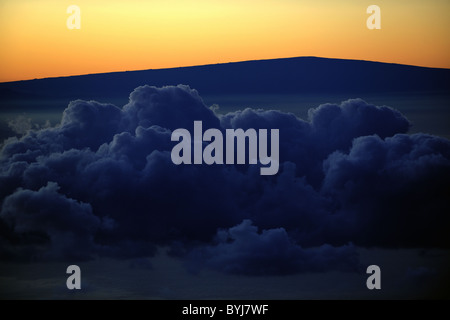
<point>102,183</point>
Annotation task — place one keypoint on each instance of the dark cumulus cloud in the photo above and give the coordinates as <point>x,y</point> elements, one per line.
<point>102,183</point>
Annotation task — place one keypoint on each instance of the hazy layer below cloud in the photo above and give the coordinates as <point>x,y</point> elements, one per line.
<point>406,274</point>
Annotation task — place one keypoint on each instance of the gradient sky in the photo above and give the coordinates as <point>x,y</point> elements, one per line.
<point>137,34</point>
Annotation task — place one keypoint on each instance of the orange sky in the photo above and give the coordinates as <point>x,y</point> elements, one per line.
<point>137,34</point>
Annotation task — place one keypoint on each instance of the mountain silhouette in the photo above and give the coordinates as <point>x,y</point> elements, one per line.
<point>276,76</point>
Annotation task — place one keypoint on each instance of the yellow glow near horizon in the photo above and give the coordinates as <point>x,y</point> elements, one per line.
<point>138,34</point>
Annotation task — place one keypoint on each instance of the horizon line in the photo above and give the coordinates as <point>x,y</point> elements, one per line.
<point>219,63</point>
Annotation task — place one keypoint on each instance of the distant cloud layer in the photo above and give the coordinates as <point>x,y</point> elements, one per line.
<point>102,183</point>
